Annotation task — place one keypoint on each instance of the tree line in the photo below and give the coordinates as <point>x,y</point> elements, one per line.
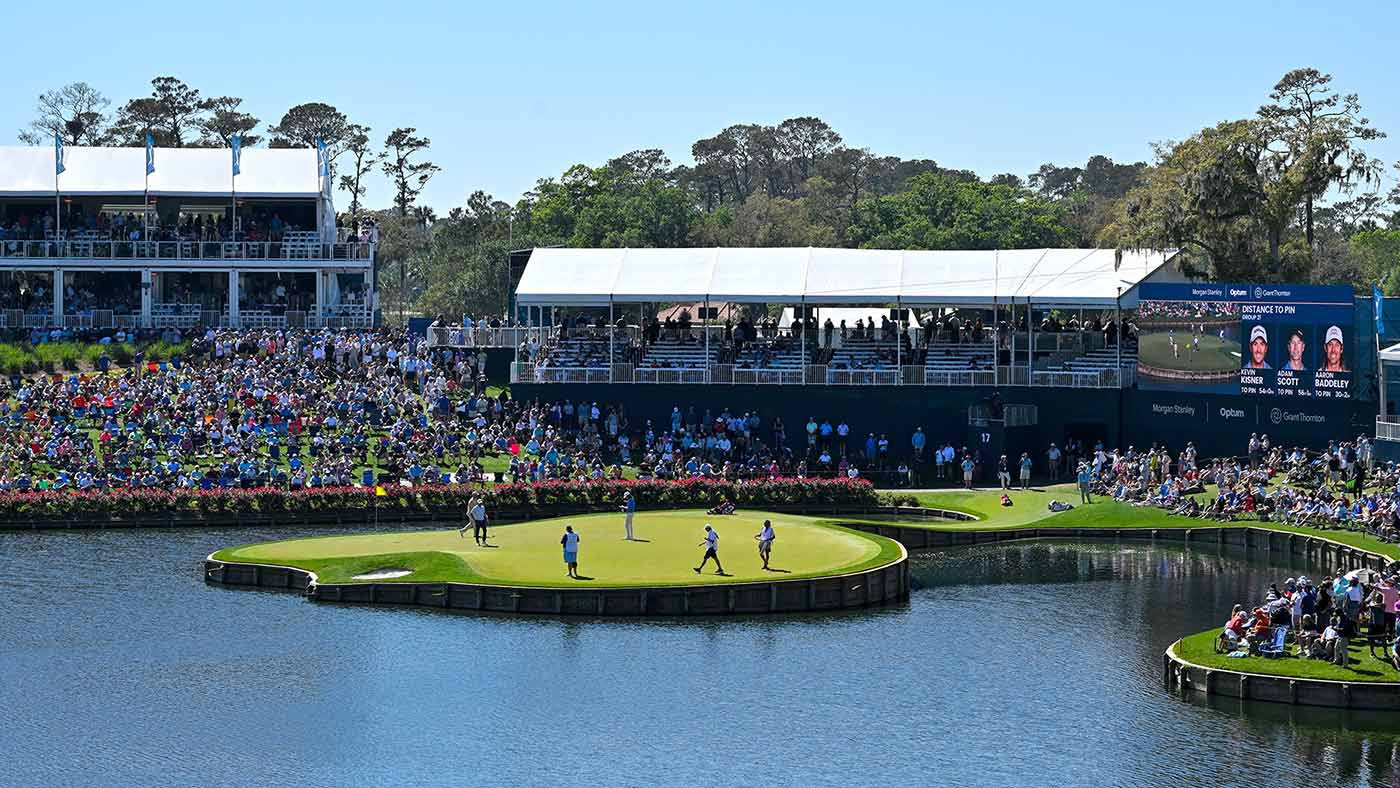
<point>1287,193</point>
<point>176,115</point>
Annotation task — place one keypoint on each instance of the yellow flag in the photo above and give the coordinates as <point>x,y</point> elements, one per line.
<point>379,491</point>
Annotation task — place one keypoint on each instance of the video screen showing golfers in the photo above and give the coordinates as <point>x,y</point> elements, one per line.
<point>1264,340</point>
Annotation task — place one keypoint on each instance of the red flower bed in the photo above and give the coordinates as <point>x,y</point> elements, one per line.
<point>686,493</point>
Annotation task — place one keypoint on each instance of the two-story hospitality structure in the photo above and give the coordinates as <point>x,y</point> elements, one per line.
<point>122,239</point>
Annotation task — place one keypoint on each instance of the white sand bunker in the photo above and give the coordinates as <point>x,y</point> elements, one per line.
<point>383,574</point>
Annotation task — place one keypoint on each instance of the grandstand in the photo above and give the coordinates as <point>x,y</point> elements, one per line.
<point>106,244</point>
<point>1037,317</point>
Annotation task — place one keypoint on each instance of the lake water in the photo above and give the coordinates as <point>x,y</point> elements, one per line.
<point>1029,664</point>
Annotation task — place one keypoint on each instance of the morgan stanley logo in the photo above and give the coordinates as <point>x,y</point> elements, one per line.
<point>1173,410</point>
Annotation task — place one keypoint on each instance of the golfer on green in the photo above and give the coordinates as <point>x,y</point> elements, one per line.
<point>711,545</point>
<point>765,542</point>
<point>570,542</point>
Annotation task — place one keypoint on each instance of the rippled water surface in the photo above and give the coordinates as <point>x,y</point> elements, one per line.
<point>1030,664</point>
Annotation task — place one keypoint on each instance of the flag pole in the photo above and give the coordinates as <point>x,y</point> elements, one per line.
<point>57,198</point>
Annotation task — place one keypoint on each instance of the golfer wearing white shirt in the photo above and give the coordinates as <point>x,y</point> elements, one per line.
<point>570,542</point>
<point>765,542</point>
<point>711,545</point>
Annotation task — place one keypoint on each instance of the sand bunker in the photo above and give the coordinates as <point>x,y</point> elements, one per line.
<point>384,574</point>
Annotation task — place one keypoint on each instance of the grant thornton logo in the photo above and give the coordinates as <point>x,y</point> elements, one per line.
<point>1279,416</point>
<point>1276,416</point>
<point>1259,293</point>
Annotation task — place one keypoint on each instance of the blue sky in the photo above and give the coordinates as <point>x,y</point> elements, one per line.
<point>510,92</point>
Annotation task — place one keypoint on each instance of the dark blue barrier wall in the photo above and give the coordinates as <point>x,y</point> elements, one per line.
<point>1218,425</point>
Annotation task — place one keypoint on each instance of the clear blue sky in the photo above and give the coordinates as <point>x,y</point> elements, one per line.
<point>509,92</point>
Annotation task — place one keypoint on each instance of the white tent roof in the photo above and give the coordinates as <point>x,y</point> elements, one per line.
<point>184,172</point>
<point>1049,277</point>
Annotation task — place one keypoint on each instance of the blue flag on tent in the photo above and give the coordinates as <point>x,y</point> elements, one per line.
<point>1378,301</point>
<point>237,152</point>
<point>150,154</point>
<point>58,167</point>
<point>323,162</point>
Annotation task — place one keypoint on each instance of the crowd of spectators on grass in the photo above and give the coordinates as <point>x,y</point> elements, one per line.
<point>1317,620</point>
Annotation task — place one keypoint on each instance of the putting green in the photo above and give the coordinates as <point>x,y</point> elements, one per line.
<point>1214,356</point>
<point>667,546</point>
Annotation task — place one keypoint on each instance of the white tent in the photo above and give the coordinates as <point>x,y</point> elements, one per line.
<point>1064,278</point>
<point>179,172</point>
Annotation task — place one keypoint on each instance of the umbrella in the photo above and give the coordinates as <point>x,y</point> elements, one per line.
<point>1364,576</point>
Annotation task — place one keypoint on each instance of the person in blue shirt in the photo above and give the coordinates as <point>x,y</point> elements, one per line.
<point>1025,471</point>
<point>1083,478</point>
<point>629,508</point>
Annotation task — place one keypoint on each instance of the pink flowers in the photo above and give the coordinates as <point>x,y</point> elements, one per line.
<point>698,492</point>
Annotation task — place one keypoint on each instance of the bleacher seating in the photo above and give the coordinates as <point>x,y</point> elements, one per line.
<point>780,354</point>
<point>957,356</point>
<point>665,354</point>
<point>1103,358</point>
<point>865,354</point>
<point>585,351</point>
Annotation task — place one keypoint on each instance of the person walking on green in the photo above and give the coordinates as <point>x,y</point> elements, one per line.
<point>711,545</point>
<point>629,508</point>
<point>765,542</point>
<point>570,542</point>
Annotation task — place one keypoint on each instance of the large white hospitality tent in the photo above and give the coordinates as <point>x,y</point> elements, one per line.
<point>1046,278</point>
<point>28,171</point>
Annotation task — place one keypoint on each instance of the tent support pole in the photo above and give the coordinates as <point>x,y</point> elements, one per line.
<point>898,344</point>
<point>705,326</point>
<point>611,326</point>
<point>1030,346</point>
<point>802,311</point>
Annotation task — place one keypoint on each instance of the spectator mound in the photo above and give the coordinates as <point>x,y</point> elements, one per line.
<point>529,554</point>
<point>1199,649</point>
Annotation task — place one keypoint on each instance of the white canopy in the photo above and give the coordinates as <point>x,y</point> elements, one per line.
<point>182,172</point>
<point>1048,277</point>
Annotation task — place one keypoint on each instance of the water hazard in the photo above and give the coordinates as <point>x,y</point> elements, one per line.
<point>1033,663</point>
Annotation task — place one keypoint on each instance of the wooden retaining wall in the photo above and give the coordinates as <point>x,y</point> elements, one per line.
<point>888,583</point>
<point>1181,676</point>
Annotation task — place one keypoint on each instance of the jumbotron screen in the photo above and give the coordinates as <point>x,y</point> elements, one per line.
<point>1264,340</point>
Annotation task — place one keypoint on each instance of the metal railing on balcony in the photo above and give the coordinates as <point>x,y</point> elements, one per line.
<point>261,251</point>
<point>479,336</point>
<point>1387,430</point>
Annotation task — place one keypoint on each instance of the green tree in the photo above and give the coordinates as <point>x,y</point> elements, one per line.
<point>1377,254</point>
<point>409,177</point>
<point>77,113</point>
<point>364,158</point>
<point>303,124</point>
<point>1314,137</point>
<point>224,120</point>
<point>1213,196</point>
<point>173,115</point>
<point>940,212</point>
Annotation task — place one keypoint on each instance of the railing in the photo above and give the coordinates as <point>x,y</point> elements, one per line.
<point>478,336</point>
<point>780,377</point>
<point>862,377</point>
<point>959,377</point>
<point>817,374</point>
<point>86,249</point>
<point>1387,430</point>
<point>669,375</point>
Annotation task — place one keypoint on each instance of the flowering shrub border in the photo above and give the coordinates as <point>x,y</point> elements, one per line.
<point>687,493</point>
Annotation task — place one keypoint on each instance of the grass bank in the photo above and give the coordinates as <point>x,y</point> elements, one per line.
<point>664,553</point>
<point>1200,650</point>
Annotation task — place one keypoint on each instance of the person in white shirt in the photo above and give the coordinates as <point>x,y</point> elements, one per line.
<point>711,545</point>
<point>765,543</point>
<point>570,542</point>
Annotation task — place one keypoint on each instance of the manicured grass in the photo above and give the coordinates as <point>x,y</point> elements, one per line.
<point>1214,356</point>
<point>529,553</point>
<point>1030,510</point>
<point>1200,649</point>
